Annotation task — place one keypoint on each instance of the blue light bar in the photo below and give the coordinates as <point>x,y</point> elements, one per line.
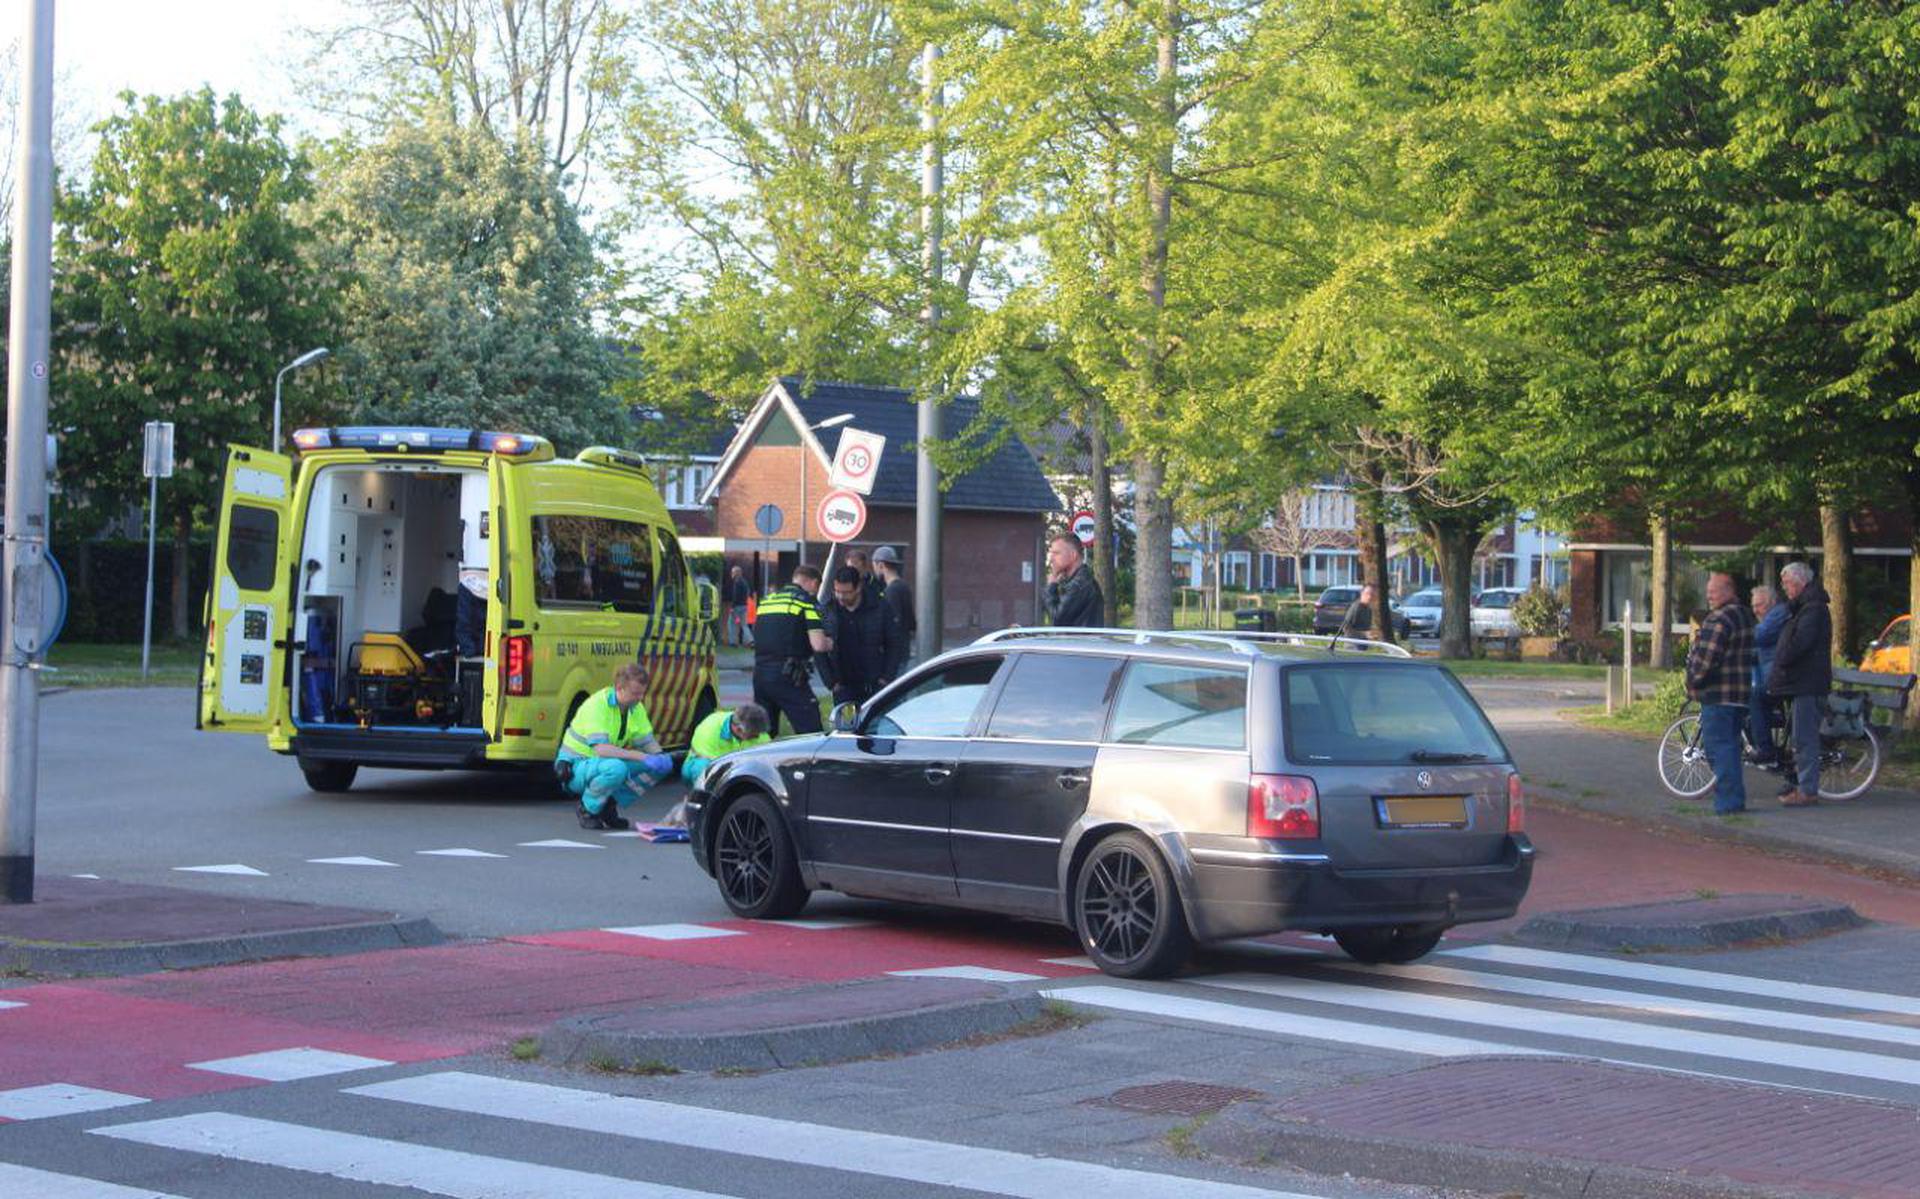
<point>406,438</point>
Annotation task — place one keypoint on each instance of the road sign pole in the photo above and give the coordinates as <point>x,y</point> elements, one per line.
<point>146,621</point>
<point>26,489</point>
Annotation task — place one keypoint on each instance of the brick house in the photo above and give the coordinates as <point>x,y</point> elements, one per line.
<point>996,515</point>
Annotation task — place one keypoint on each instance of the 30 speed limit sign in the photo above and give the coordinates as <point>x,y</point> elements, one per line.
<point>841,516</point>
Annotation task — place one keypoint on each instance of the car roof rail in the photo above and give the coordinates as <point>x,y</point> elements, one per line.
<point>1231,639</point>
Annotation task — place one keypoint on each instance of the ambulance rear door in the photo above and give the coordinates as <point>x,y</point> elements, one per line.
<point>243,687</point>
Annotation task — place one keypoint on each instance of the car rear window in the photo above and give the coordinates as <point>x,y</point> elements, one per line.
<point>1497,599</point>
<point>1367,714</point>
<point>1423,599</point>
<point>1339,595</point>
<point>1161,703</point>
<point>1055,697</point>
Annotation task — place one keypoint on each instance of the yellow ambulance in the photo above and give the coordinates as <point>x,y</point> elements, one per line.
<point>431,598</point>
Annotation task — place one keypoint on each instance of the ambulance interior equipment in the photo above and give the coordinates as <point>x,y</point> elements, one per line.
<point>395,578</point>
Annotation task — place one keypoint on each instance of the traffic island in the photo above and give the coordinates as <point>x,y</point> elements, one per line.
<point>805,1026</point>
<point>1566,1128</point>
<point>97,926</point>
<point>1718,922</point>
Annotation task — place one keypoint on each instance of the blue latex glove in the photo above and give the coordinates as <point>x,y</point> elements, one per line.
<point>658,765</point>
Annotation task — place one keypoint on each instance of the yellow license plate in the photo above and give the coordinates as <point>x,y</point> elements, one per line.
<point>1424,811</point>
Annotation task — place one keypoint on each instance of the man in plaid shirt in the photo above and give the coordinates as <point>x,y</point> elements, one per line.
<point>1720,679</point>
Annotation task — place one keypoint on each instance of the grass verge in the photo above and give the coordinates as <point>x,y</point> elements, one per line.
<point>78,664</point>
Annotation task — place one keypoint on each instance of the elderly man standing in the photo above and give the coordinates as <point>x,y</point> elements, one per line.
<point>1803,673</point>
<point>1772,615</point>
<point>1720,678</point>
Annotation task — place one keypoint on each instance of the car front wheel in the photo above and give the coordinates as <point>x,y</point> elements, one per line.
<point>1389,944</point>
<point>754,862</point>
<point>1127,912</point>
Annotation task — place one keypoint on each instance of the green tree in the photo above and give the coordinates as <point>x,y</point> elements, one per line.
<point>471,287</point>
<point>183,282</point>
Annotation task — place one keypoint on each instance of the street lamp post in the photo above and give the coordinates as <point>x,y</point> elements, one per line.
<point>828,423</point>
<point>306,359</point>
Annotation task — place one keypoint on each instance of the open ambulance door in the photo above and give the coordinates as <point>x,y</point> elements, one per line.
<point>500,601</point>
<point>243,686</point>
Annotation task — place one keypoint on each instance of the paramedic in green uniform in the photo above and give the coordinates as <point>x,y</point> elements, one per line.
<point>609,755</point>
<point>722,733</point>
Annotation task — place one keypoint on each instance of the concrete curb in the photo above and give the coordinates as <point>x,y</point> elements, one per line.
<point>332,940</point>
<point>597,1040</point>
<point>1253,1135</point>
<point>1688,924</point>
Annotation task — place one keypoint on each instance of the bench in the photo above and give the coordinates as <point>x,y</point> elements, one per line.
<point>1886,692</point>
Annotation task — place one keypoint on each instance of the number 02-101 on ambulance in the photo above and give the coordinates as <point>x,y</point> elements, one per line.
<point>443,599</point>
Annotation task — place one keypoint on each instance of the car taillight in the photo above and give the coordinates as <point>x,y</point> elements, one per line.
<point>1282,806</point>
<point>517,665</point>
<point>1516,805</point>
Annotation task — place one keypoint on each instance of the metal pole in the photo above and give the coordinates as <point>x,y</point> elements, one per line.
<point>927,533</point>
<point>26,490</point>
<point>153,524</point>
<point>276,405</point>
<point>800,555</point>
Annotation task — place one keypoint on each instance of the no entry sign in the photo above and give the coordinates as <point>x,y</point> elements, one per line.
<point>841,516</point>
<point>1085,527</point>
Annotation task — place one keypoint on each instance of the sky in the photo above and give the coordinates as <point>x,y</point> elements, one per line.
<point>101,47</point>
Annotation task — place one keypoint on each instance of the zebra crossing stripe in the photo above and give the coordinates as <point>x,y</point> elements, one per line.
<point>385,1163</point>
<point>1514,1018</point>
<point>1662,1005</point>
<point>1294,1024</point>
<point>908,1159</point>
<point>1679,976</point>
<point>41,1184</point>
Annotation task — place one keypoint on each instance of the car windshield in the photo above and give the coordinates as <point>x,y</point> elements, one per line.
<point>1339,595</point>
<point>1374,715</point>
<point>1423,599</point>
<point>1497,599</point>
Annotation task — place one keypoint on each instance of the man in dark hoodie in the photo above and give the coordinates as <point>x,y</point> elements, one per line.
<point>1802,674</point>
<point>1720,678</point>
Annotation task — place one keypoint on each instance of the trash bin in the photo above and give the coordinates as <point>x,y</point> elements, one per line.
<point>1255,620</point>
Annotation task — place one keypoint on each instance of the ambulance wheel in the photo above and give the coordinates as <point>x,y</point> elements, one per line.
<point>329,777</point>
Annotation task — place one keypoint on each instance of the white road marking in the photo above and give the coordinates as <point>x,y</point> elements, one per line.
<point>7,1003</point>
<point>59,1099</point>
<point>909,1159</point>
<point>1679,976</point>
<point>384,1163</point>
<point>40,1184</point>
<point>285,1065</point>
<point>1079,963</point>
<point>349,862</point>
<point>1296,1024</point>
<point>457,853</point>
<point>559,843</point>
<point>1513,1018</point>
<point>229,868</point>
<point>977,973</point>
<point>92,876</point>
<point>674,932</point>
<point>1511,984</point>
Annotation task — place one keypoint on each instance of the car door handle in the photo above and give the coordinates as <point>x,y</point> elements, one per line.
<point>1069,779</point>
<point>939,774</point>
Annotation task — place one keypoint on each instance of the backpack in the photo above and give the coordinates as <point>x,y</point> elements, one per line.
<point>1846,715</point>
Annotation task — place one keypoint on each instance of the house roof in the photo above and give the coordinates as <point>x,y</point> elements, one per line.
<point>1009,479</point>
<point>678,436</point>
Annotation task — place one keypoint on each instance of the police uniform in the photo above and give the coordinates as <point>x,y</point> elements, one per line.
<point>713,739</point>
<point>603,781</point>
<point>783,659</point>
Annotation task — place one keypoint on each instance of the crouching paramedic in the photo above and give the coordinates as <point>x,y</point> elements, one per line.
<point>609,755</point>
<point>721,733</point>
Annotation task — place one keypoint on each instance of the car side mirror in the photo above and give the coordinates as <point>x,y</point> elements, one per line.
<point>709,601</point>
<point>845,717</point>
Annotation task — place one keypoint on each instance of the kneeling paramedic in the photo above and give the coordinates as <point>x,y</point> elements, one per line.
<point>609,756</point>
<point>722,733</point>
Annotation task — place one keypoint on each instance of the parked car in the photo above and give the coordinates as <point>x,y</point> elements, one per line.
<point>1148,792</point>
<point>1331,608</point>
<point>1492,613</point>
<point>1422,610</point>
<point>1892,651</point>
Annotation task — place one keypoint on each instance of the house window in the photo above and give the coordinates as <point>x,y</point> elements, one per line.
<point>1239,573</point>
<point>1269,571</point>
<point>685,483</point>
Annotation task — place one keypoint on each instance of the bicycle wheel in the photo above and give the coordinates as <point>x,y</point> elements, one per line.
<point>1684,768</point>
<point>1848,765</point>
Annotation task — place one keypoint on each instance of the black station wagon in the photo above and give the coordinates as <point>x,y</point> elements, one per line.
<point>1148,790</point>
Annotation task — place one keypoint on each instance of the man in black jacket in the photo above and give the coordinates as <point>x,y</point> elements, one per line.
<point>868,647</point>
<point>1073,597</point>
<point>897,592</point>
<point>1803,674</point>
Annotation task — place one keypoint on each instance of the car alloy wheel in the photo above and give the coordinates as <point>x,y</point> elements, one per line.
<point>754,862</point>
<point>1128,914</point>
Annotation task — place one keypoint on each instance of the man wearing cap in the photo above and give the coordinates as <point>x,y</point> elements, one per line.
<point>897,592</point>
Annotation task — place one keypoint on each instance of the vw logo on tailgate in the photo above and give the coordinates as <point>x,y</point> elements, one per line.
<point>1425,779</point>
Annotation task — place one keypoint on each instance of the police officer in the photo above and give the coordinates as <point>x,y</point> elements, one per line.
<point>787,632</point>
<point>609,755</point>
